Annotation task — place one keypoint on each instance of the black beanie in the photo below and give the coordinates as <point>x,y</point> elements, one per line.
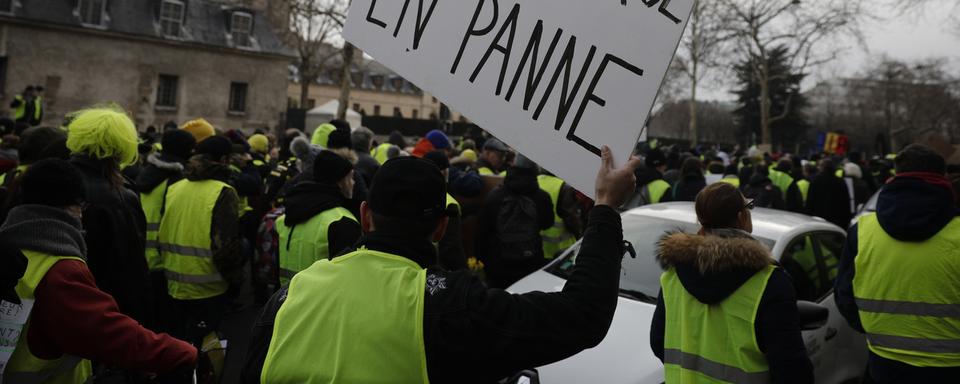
<point>42,143</point>
<point>330,168</point>
<point>178,143</point>
<point>52,182</point>
<point>408,187</point>
<point>215,147</point>
<point>341,125</point>
<point>438,159</point>
<point>339,139</point>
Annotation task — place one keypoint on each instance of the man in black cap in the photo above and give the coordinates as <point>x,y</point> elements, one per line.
<point>317,225</point>
<point>493,158</point>
<point>199,241</point>
<point>382,314</point>
<point>161,171</point>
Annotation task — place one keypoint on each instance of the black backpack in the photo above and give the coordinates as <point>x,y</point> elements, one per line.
<point>518,229</point>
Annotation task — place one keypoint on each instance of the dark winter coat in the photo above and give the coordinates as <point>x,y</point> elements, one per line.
<point>309,199</point>
<point>828,198</point>
<point>763,192</point>
<point>501,273</point>
<point>473,334</point>
<point>687,188</point>
<point>160,168</point>
<point>910,210</point>
<point>714,266</point>
<point>115,231</point>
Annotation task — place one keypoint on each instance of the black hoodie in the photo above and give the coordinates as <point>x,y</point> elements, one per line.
<point>711,268</point>
<point>160,167</point>
<point>909,210</point>
<point>308,199</point>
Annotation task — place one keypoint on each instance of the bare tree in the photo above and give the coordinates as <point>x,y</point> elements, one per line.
<point>706,36</point>
<point>312,29</point>
<point>920,8</point>
<point>804,29</point>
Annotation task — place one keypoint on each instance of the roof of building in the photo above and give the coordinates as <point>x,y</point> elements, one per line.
<point>205,22</point>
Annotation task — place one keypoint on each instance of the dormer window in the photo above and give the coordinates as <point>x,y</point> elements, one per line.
<point>91,12</point>
<point>6,6</point>
<point>241,26</point>
<point>171,17</point>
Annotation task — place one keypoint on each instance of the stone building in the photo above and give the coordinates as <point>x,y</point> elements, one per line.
<point>376,91</point>
<point>161,60</point>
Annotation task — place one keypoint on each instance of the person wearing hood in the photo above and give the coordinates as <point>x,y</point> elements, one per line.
<point>508,240</point>
<point>102,140</point>
<point>763,192</point>
<point>435,140</point>
<point>721,291</point>
<point>317,225</point>
<point>199,241</point>
<point>72,321</point>
<point>691,181</point>
<point>651,188</point>
<point>829,197</point>
<point>897,279</point>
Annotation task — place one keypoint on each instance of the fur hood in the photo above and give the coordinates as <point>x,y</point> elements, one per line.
<point>714,265</point>
<point>159,168</point>
<point>717,251</point>
<point>155,160</point>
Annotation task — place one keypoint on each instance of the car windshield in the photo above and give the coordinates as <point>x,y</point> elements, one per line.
<point>640,276</point>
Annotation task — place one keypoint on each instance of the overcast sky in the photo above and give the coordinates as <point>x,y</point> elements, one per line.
<point>908,38</point>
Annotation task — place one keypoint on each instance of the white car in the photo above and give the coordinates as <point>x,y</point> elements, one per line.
<point>838,352</point>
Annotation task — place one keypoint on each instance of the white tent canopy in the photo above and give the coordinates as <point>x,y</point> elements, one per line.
<point>327,112</point>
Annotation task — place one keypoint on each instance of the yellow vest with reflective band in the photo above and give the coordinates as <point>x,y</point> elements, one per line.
<point>17,171</point>
<point>807,260</point>
<point>804,187</point>
<point>304,244</point>
<point>734,181</point>
<point>358,318</point>
<point>555,238</point>
<point>713,343</point>
<point>907,294</point>
<point>452,202</point>
<point>21,111</point>
<point>23,366</point>
<point>184,240</point>
<point>656,189</point>
<point>381,153</point>
<point>152,203</point>
<point>322,134</point>
<point>485,171</point>
<point>782,180</point>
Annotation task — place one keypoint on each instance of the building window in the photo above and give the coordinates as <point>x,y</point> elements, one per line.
<point>357,79</point>
<point>377,81</point>
<point>416,114</point>
<point>238,97</point>
<point>6,6</point>
<point>241,24</point>
<point>167,91</point>
<point>356,107</point>
<point>91,11</point>
<point>376,110</point>
<point>311,103</point>
<point>171,17</point>
<point>397,113</point>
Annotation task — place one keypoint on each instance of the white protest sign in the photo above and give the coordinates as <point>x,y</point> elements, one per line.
<point>12,318</point>
<point>555,79</point>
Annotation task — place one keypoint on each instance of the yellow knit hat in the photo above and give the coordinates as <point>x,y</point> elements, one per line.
<point>103,132</point>
<point>259,143</point>
<point>199,128</point>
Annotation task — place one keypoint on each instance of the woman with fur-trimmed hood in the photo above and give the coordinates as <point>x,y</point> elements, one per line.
<point>717,284</point>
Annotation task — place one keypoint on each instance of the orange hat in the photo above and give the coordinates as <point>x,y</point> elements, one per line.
<point>199,128</point>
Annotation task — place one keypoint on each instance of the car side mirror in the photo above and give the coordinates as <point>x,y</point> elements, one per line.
<point>812,315</point>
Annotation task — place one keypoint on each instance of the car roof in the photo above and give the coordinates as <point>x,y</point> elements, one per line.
<point>767,223</point>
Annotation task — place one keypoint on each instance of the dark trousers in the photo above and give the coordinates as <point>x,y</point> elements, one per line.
<point>197,318</point>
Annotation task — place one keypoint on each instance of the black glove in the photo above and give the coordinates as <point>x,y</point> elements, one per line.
<point>12,267</point>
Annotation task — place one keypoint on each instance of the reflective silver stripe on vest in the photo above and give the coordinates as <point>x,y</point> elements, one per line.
<point>194,279</point>
<point>713,369</point>
<point>909,308</point>
<point>66,364</point>
<point>186,251</point>
<point>152,244</point>
<point>915,344</point>
<point>286,273</point>
<point>153,226</point>
<point>556,240</point>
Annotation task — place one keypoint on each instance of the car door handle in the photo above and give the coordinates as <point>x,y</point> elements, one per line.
<point>831,333</point>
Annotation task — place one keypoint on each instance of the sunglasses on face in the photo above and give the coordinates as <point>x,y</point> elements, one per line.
<point>749,205</point>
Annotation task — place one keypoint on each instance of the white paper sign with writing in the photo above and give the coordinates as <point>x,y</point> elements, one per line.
<point>12,318</point>
<point>555,79</point>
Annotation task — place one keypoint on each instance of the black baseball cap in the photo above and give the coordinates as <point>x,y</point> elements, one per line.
<point>410,188</point>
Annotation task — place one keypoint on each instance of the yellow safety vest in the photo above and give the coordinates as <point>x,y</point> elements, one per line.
<point>556,238</point>
<point>656,189</point>
<point>734,181</point>
<point>907,294</point>
<point>781,180</point>
<point>302,245</point>
<point>452,202</point>
<point>184,240</point>
<point>152,203</point>
<point>322,134</point>
<point>21,111</point>
<point>359,318</point>
<point>16,172</point>
<point>24,366</point>
<point>381,153</point>
<point>804,187</point>
<point>485,171</point>
<point>713,343</point>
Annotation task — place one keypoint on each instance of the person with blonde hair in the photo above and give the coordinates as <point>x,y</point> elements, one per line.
<point>101,140</point>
